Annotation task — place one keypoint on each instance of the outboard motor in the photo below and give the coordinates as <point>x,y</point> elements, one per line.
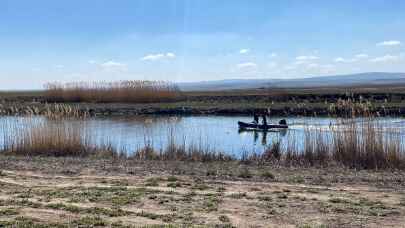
<point>282,122</point>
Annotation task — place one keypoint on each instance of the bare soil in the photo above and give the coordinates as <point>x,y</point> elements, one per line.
<point>84,192</point>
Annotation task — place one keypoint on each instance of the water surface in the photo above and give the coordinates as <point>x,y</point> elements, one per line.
<point>219,133</point>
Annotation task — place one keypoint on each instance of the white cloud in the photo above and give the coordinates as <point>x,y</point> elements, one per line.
<point>170,55</point>
<point>340,60</point>
<point>385,58</point>
<point>159,56</point>
<point>312,66</point>
<point>323,69</point>
<point>328,68</point>
<point>247,65</point>
<point>306,57</point>
<point>300,62</point>
<point>273,55</point>
<point>361,56</point>
<point>113,64</point>
<point>153,57</point>
<point>389,43</point>
<point>356,58</point>
<point>244,51</point>
<point>92,61</point>
<point>343,60</point>
<point>272,65</point>
<point>290,67</point>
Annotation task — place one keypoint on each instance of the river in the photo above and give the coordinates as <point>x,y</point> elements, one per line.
<point>215,133</point>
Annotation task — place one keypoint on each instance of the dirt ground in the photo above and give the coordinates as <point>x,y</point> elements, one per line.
<point>73,192</point>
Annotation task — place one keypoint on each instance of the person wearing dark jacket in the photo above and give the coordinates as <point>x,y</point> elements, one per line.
<point>264,119</point>
<point>255,118</point>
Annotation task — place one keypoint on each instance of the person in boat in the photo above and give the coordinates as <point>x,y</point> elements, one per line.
<point>255,119</point>
<point>264,122</point>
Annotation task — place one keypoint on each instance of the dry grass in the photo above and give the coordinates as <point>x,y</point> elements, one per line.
<point>49,137</point>
<point>176,152</point>
<point>54,136</point>
<point>71,192</point>
<point>354,143</point>
<point>361,143</point>
<point>367,145</point>
<point>110,92</point>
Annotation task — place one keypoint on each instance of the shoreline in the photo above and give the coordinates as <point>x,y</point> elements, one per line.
<point>199,108</point>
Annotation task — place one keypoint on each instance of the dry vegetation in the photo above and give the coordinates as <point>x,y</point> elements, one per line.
<point>49,137</point>
<point>148,97</point>
<point>353,143</point>
<point>80,192</point>
<point>110,92</point>
<point>52,175</point>
<point>361,143</point>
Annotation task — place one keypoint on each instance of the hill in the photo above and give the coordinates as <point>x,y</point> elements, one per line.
<point>373,78</point>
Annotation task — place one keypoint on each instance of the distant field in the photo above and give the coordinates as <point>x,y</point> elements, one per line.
<point>394,88</point>
<point>388,100</point>
<point>25,93</point>
<point>364,89</point>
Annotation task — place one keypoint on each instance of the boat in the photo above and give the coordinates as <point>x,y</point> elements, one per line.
<point>254,126</point>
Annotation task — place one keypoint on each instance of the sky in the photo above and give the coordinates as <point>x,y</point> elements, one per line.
<point>196,40</point>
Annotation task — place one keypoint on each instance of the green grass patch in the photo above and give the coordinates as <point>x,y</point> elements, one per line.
<point>245,173</point>
<point>153,182</point>
<point>268,175</point>
<point>338,200</point>
<point>115,212</point>
<point>8,212</point>
<point>174,185</point>
<point>89,221</point>
<point>224,219</point>
<point>211,203</point>
<point>172,179</point>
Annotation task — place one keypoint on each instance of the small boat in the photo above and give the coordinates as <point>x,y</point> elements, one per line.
<point>254,126</point>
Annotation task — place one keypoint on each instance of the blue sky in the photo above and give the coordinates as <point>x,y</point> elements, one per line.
<point>195,40</point>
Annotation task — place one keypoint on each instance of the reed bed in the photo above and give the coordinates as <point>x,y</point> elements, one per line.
<point>367,144</point>
<point>71,137</point>
<point>353,143</point>
<point>360,143</point>
<point>174,152</point>
<point>49,137</point>
<point>197,151</point>
<point>113,92</point>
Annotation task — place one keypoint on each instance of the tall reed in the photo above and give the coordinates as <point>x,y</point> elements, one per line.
<point>121,91</point>
<point>361,143</point>
<point>46,137</point>
<point>366,143</point>
<point>197,152</point>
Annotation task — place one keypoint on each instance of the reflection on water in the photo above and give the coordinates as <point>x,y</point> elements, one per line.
<point>263,135</point>
<point>207,132</point>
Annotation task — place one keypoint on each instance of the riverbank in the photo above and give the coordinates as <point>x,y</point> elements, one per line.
<point>71,192</point>
<point>198,108</point>
<point>281,102</point>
